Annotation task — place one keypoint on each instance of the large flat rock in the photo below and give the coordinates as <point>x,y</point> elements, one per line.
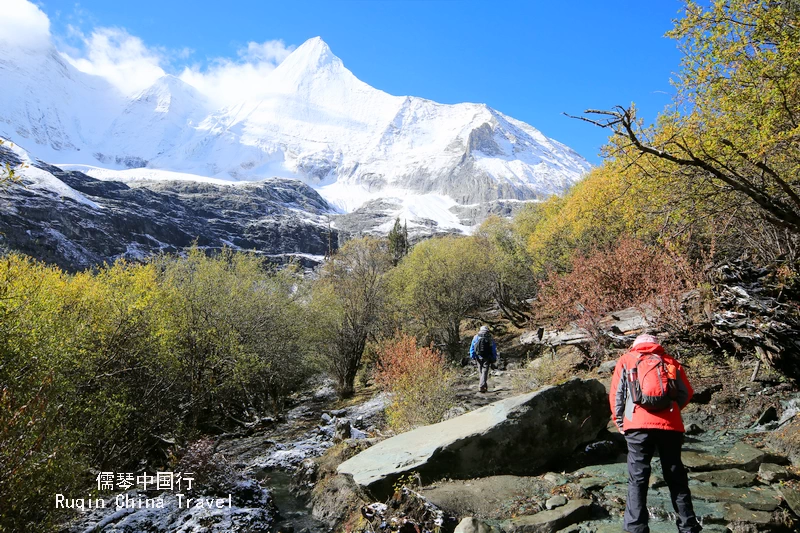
<point>755,498</point>
<point>519,436</point>
<point>733,477</point>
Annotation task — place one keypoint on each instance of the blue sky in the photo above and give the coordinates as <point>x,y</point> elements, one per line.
<point>532,60</point>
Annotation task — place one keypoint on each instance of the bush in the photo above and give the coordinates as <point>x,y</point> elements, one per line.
<point>211,472</point>
<point>628,274</point>
<point>101,368</point>
<point>420,381</point>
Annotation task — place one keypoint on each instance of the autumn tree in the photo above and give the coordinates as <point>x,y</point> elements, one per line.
<point>439,283</point>
<point>733,131</point>
<point>349,296</point>
<point>512,280</point>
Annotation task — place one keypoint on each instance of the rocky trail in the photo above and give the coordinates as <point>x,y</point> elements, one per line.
<point>508,474</point>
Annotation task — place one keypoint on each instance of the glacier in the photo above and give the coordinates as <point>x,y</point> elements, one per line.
<point>362,149</point>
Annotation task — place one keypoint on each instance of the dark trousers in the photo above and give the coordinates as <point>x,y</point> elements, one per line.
<point>642,444</point>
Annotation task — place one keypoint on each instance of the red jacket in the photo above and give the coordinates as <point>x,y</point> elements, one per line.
<point>628,415</point>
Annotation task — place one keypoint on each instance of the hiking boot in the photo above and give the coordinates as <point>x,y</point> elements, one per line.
<point>484,389</point>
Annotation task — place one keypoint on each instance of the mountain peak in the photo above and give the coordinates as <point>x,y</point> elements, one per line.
<point>313,51</point>
<point>306,62</point>
<point>170,84</point>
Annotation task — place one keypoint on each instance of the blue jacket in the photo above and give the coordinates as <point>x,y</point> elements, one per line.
<point>473,355</point>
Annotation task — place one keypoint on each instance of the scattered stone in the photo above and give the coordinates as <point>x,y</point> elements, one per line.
<point>343,429</point>
<point>473,525</point>
<point>770,473</point>
<point>549,521</point>
<point>757,498</point>
<point>748,457</point>
<point>769,415</point>
<point>657,481</point>
<point>734,478</point>
<point>612,473</point>
<point>694,429</point>
<point>607,367</point>
<point>357,434</point>
<point>555,479</point>
<point>592,483</point>
<point>493,439</point>
<point>703,396</point>
<point>555,501</point>
<point>326,418</point>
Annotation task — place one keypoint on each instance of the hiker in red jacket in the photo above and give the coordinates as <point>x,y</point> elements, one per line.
<point>648,391</point>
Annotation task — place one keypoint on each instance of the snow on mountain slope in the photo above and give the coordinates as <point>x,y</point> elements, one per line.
<point>317,122</point>
<point>49,105</point>
<point>165,113</point>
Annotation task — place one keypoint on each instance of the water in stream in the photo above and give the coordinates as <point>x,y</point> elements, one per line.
<point>295,515</point>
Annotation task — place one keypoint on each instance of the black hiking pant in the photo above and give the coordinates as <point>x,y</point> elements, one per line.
<point>642,444</point>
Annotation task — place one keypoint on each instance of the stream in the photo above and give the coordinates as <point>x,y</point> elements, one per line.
<point>294,514</point>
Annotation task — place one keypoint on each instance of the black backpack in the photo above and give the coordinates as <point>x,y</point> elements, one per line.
<point>483,349</point>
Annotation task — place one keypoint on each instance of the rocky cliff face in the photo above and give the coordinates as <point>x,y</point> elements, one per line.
<point>75,221</point>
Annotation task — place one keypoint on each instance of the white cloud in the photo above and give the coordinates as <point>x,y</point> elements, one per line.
<point>227,81</point>
<point>121,58</point>
<point>132,66</point>
<point>24,24</point>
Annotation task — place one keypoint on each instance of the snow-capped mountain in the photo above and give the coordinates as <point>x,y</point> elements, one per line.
<point>357,145</point>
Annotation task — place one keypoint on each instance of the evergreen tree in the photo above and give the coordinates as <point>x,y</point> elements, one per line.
<point>398,241</point>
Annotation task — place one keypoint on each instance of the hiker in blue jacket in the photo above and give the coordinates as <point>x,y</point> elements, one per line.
<point>483,350</point>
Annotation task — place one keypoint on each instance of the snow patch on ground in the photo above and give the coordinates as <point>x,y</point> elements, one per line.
<point>409,205</point>
<point>133,175</point>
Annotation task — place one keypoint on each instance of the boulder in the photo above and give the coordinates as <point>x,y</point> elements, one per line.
<point>694,429</point>
<point>335,499</point>
<point>473,525</point>
<point>737,513</point>
<point>702,462</point>
<point>555,502</point>
<point>630,321</point>
<point>487,497</point>
<point>518,435</point>
<point>343,430</point>
<point>550,521</point>
<point>607,367</point>
<point>770,473</point>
